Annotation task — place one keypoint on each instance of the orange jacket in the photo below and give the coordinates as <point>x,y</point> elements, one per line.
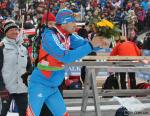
<point>52,62</point>
<point>126,48</point>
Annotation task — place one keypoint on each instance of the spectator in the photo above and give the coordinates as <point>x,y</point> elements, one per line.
<point>14,68</point>
<point>146,44</point>
<point>83,32</point>
<point>118,17</point>
<point>94,3</point>
<point>126,48</point>
<point>148,16</point>
<point>144,4</point>
<point>74,7</point>
<point>117,4</point>
<point>124,22</point>
<point>1,28</point>
<point>28,19</point>
<point>103,3</point>
<point>140,17</point>
<point>132,20</point>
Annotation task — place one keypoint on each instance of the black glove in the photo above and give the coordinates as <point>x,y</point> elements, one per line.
<point>25,78</point>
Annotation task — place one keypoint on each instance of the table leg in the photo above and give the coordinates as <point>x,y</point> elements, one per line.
<point>87,84</point>
<point>95,94</point>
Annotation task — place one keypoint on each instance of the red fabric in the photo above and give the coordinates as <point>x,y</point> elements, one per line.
<point>74,77</point>
<point>77,29</point>
<point>62,1</point>
<point>143,86</point>
<point>52,61</point>
<point>66,114</point>
<point>95,3</point>
<point>65,33</point>
<point>3,5</point>
<point>1,31</point>
<point>29,31</point>
<point>141,15</point>
<point>47,74</point>
<point>51,17</point>
<point>126,49</point>
<point>29,111</point>
<point>65,41</point>
<point>30,51</point>
<point>68,82</point>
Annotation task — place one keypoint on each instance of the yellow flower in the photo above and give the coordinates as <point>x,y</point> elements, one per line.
<point>105,23</point>
<point>101,24</point>
<point>109,24</point>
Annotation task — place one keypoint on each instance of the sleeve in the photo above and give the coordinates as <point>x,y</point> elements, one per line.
<point>2,85</point>
<point>1,58</point>
<point>52,45</point>
<point>77,41</point>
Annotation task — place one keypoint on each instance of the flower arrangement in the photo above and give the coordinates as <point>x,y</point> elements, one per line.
<point>105,23</point>
<point>107,29</point>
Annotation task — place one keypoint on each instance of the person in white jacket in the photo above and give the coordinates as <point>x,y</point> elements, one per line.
<point>14,66</point>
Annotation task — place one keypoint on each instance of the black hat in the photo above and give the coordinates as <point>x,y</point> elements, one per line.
<point>9,25</point>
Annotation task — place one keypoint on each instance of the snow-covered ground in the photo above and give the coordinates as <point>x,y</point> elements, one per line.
<point>91,108</point>
<point>12,114</point>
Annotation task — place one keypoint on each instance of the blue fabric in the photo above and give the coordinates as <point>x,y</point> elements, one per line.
<point>145,5</point>
<point>42,89</point>
<point>118,17</point>
<point>122,1</point>
<point>52,45</point>
<point>122,111</point>
<point>77,41</point>
<point>54,81</point>
<point>64,16</point>
<point>103,3</point>
<point>40,94</point>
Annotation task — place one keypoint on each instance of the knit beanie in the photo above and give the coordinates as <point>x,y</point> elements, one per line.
<point>10,25</point>
<point>65,16</point>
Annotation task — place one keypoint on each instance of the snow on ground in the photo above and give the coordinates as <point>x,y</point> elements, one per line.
<point>90,108</point>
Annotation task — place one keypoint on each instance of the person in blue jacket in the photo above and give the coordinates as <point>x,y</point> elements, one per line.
<point>59,46</point>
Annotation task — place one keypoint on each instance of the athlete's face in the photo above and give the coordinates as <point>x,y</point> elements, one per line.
<point>69,27</point>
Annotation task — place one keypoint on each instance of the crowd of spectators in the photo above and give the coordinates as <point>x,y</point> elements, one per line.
<point>131,16</point>
<point>128,14</point>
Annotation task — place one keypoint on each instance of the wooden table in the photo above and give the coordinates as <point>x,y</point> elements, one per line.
<point>115,64</point>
